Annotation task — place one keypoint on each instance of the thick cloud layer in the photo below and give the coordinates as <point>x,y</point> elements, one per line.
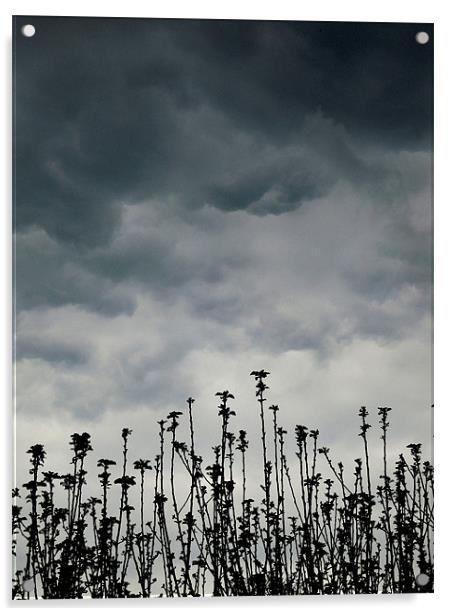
<point>198,199</point>
<point>210,112</point>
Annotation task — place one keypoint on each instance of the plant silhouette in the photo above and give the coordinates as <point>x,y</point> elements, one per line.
<point>311,533</point>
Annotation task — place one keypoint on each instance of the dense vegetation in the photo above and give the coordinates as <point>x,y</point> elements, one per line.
<point>307,533</point>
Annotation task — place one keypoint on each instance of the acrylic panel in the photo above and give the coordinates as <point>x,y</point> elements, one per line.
<point>222,308</point>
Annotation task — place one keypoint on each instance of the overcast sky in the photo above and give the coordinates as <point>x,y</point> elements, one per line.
<point>197,199</point>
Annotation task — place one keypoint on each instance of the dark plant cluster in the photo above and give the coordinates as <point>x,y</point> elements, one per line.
<point>308,532</point>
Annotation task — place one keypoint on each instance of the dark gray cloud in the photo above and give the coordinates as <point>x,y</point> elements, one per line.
<point>112,111</point>
<point>36,347</point>
<point>50,273</point>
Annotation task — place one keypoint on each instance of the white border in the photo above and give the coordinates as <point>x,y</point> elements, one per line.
<point>327,10</point>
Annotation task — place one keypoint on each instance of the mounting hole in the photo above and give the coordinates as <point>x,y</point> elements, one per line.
<point>422,38</point>
<point>28,30</point>
<point>422,579</point>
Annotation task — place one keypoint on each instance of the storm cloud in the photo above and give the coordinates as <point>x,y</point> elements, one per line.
<point>198,199</point>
